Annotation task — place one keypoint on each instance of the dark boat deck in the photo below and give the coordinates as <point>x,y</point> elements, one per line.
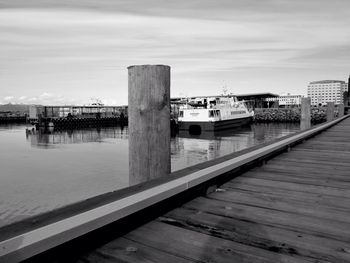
<point>296,208</point>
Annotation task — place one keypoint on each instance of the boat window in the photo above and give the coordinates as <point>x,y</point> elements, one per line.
<point>181,113</point>
<point>217,113</point>
<point>211,113</point>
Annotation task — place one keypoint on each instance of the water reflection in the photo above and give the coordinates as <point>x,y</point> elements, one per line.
<point>46,169</point>
<point>47,138</point>
<point>188,149</point>
<point>43,170</point>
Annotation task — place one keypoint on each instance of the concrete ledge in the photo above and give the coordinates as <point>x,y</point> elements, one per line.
<point>36,241</point>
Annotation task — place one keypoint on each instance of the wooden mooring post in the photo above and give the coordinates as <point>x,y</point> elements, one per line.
<point>340,110</point>
<point>330,111</point>
<point>305,118</point>
<point>149,122</point>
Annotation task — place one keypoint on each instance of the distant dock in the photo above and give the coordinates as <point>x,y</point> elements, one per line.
<point>73,117</point>
<point>12,119</point>
<point>77,116</point>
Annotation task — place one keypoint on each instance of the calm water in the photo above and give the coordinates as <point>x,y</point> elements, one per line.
<point>42,171</point>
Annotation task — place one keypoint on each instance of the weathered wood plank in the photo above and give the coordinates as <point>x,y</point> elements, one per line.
<point>311,225</point>
<point>335,137</point>
<point>315,180</point>
<point>267,237</point>
<point>300,149</point>
<point>308,197</point>
<point>323,158</point>
<point>316,166</point>
<point>125,250</point>
<point>294,186</point>
<point>286,166</point>
<point>330,143</point>
<point>301,173</point>
<point>201,247</point>
<point>312,162</point>
<point>282,204</point>
<point>326,147</point>
<point>316,154</point>
<point>319,156</point>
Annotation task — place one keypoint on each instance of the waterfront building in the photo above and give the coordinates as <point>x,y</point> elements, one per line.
<point>252,100</point>
<point>287,100</point>
<point>325,91</point>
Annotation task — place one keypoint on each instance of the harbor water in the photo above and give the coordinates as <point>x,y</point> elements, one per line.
<point>44,170</point>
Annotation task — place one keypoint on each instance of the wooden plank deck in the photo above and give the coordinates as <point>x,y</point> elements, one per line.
<point>296,208</point>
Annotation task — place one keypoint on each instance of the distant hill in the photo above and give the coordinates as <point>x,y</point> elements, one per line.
<point>22,108</point>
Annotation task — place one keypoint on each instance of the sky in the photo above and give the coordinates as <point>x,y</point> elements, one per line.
<point>56,52</point>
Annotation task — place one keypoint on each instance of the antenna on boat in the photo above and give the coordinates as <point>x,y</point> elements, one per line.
<point>224,89</point>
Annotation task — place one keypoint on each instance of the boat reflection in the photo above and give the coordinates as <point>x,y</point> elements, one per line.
<point>188,149</point>
<point>212,135</point>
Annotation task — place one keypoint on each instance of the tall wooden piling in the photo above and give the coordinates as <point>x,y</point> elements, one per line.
<point>305,118</point>
<point>149,122</point>
<point>330,111</point>
<point>340,110</point>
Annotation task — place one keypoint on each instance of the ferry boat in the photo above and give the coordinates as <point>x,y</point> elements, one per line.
<point>213,114</point>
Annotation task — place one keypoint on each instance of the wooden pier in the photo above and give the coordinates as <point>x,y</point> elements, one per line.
<point>295,208</point>
<point>282,201</point>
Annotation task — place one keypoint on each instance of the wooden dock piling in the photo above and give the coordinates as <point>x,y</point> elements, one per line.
<point>330,111</point>
<point>149,122</point>
<point>340,110</point>
<point>305,118</point>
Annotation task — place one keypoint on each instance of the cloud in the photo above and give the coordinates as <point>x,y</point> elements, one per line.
<point>80,49</point>
<point>43,99</point>
<point>8,98</point>
<point>209,9</point>
<point>32,100</point>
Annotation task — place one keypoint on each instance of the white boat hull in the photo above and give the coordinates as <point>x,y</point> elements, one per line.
<point>214,125</point>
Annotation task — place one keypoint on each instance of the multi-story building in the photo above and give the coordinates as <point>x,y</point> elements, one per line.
<point>325,91</point>
<point>287,100</point>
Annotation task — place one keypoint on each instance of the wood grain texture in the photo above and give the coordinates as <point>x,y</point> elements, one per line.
<point>149,122</point>
<point>330,111</point>
<point>305,118</point>
<point>126,250</point>
<point>272,238</point>
<point>340,110</point>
